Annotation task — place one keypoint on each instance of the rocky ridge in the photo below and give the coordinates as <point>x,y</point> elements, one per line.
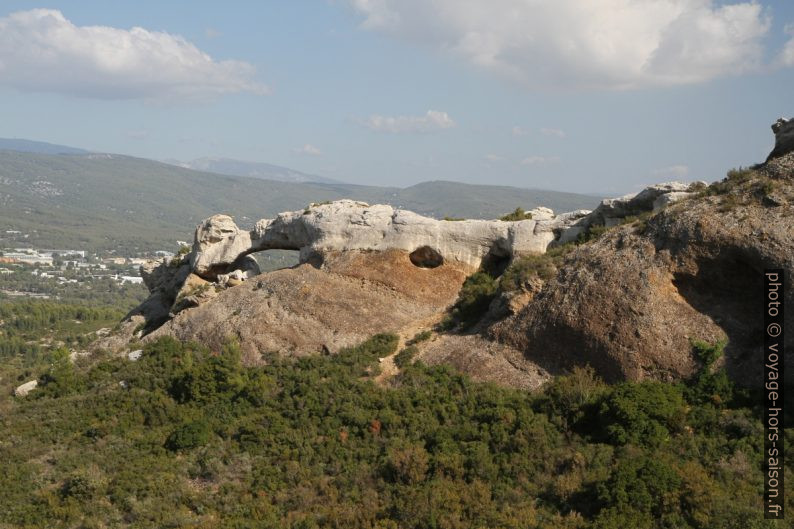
<point>221,252</point>
<point>675,264</point>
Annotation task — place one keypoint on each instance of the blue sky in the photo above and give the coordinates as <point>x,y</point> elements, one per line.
<point>395,92</point>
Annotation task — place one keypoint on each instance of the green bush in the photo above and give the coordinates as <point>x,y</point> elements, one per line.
<point>640,489</point>
<point>571,397</point>
<point>420,337</point>
<point>474,298</point>
<point>190,435</point>
<point>516,215</point>
<point>641,413</point>
<point>404,357</point>
<point>408,464</point>
<point>734,179</point>
<point>79,486</point>
<point>709,385</point>
<point>61,379</point>
<point>526,267</point>
<point>220,376</point>
<point>592,233</point>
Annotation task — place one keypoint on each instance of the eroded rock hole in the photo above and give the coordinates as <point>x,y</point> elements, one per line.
<point>495,264</point>
<point>270,260</point>
<point>426,257</point>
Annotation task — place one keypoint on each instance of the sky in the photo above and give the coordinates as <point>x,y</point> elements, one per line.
<point>593,96</point>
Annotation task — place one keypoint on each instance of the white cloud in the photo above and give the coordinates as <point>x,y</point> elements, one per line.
<point>557,133</point>
<point>212,33</point>
<point>674,171</point>
<point>308,149</point>
<point>786,57</point>
<point>575,44</point>
<point>494,158</point>
<point>433,120</point>
<point>540,160</point>
<point>42,51</point>
<point>518,131</point>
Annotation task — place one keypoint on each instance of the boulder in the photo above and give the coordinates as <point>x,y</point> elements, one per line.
<point>27,387</point>
<point>218,243</point>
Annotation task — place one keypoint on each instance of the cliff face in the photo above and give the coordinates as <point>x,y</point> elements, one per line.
<point>305,310</point>
<point>628,303</point>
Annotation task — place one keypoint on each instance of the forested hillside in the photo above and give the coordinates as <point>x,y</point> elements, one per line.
<point>188,437</point>
<point>113,202</point>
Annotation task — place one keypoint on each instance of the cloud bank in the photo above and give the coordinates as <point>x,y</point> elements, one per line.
<point>433,120</point>
<point>584,44</point>
<point>42,51</point>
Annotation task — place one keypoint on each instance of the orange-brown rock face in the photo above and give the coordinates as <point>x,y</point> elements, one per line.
<point>630,303</point>
<point>306,310</point>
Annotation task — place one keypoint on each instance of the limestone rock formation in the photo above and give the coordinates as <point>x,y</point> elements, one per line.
<point>630,303</point>
<point>346,225</point>
<point>304,310</point>
<point>627,303</point>
<point>221,253</point>
<point>784,138</point>
<point>613,210</point>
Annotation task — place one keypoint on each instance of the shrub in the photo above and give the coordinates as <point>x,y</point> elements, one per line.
<point>405,356</point>
<point>740,175</point>
<point>61,379</point>
<point>733,179</point>
<point>641,413</point>
<point>420,337</point>
<point>516,215</point>
<point>217,377</point>
<point>709,385</point>
<point>475,296</point>
<point>526,267</point>
<point>359,358</point>
<point>592,233</point>
<point>637,485</point>
<point>190,435</point>
<point>408,464</point>
<point>79,486</point>
<point>569,397</point>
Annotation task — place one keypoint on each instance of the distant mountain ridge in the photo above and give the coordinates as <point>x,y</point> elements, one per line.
<point>40,147</point>
<point>266,171</point>
<point>115,202</point>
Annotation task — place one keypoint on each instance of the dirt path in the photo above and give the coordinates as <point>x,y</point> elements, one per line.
<point>387,366</point>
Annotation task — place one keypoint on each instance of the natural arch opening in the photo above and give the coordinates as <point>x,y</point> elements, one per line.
<point>426,257</point>
<point>270,260</point>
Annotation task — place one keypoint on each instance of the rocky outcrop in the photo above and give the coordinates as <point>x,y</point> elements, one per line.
<point>221,247</point>
<point>347,225</point>
<point>630,303</point>
<point>305,310</point>
<point>221,253</point>
<point>678,262</point>
<point>613,211</point>
<point>784,138</point>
